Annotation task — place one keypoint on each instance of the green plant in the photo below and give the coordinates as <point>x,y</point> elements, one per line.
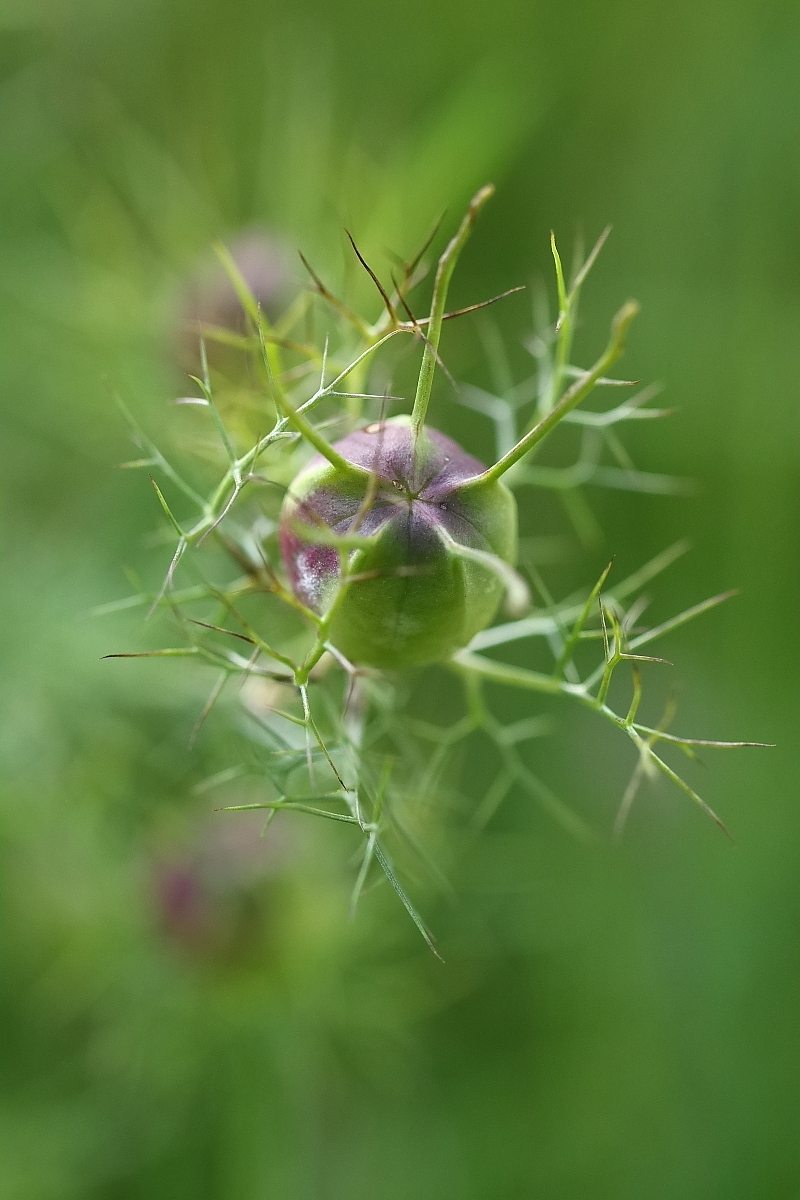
<point>331,735</point>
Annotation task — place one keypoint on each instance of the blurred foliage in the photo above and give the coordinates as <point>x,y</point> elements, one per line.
<point>186,1012</point>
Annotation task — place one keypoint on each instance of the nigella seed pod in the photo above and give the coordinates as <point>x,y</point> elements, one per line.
<point>423,578</point>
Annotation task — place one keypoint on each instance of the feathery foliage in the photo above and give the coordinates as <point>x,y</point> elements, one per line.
<point>334,740</point>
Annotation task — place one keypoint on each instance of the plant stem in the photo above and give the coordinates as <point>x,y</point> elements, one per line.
<point>563,331</point>
<point>571,398</point>
<point>444,273</point>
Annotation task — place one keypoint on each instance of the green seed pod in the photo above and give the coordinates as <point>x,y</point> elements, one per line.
<point>426,572</point>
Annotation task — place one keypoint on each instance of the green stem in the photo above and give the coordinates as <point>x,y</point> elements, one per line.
<point>444,273</point>
<point>563,329</point>
<point>499,672</point>
<point>567,314</point>
<point>314,438</point>
<point>571,398</point>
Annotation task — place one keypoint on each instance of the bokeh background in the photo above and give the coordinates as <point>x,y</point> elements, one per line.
<point>187,1012</point>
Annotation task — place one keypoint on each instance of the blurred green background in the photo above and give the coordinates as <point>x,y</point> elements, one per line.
<point>612,1020</point>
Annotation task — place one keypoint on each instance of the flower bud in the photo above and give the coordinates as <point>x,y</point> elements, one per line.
<point>208,298</point>
<point>423,584</point>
